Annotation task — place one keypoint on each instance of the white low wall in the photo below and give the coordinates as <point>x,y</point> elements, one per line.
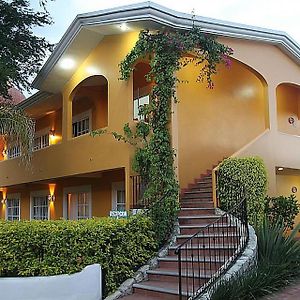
<point>85,285</point>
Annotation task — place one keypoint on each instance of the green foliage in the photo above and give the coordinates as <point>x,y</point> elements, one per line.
<point>22,52</point>
<point>252,175</point>
<point>17,129</point>
<point>278,265</point>
<point>58,247</point>
<point>283,209</point>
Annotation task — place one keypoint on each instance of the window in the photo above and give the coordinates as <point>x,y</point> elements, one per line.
<point>118,196</point>
<point>41,141</point>
<point>83,206</point>
<point>77,205</point>
<point>13,208</point>
<point>13,152</point>
<point>137,103</point>
<point>40,208</point>
<point>120,201</point>
<point>81,124</point>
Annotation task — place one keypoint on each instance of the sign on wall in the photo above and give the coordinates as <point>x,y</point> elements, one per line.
<point>118,214</point>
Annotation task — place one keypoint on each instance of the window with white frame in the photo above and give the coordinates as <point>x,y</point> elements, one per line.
<point>78,204</point>
<point>83,206</point>
<point>40,207</point>
<point>13,152</point>
<point>118,196</point>
<point>13,208</point>
<point>137,104</point>
<point>81,124</point>
<point>41,140</point>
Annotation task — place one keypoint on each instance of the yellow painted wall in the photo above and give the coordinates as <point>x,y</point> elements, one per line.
<point>284,186</point>
<point>52,121</point>
<point>85,154</point>
<point>288,104</point>
<point>101,194</point>
<point>214,123</point>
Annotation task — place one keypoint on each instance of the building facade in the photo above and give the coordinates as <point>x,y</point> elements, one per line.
<point>254,109</point>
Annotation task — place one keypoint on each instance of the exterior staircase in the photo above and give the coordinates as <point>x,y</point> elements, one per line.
<point>196,212</point>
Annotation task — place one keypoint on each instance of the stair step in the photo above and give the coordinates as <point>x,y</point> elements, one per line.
<point>192,229</point>
<point>154,288</point>
<point>189,211</point>
<point>215,250</point>
<point>203,196</point>
<point>175,273</point>
<point>191,204</point>
<point>209,191</point>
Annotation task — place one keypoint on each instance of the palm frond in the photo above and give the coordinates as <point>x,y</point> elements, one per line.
<point>17,129</point>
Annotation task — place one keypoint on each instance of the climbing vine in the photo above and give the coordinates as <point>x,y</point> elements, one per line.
<point>167,52</point>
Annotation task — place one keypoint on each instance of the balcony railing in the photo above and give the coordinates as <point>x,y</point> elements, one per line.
<point>138,190</point>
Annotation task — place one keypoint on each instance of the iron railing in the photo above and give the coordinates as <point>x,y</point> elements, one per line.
<point>208,253</point>
<point>138,189</point>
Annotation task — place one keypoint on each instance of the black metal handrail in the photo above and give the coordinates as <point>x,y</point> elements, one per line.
<point>207,254</point>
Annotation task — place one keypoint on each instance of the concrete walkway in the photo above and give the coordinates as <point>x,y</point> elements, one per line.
<point>291,292</point>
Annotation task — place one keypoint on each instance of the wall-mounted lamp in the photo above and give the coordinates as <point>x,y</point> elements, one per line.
<point>52,132</point>
<point>3,201</point>
<point>51,198</point>
<point>280,169</point>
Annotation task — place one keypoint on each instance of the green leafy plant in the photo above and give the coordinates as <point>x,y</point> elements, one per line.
<point>283,209</point>
<point>32,248</point>
<point>167,52</point>
<point>252,175</point>
<point>278,265</point>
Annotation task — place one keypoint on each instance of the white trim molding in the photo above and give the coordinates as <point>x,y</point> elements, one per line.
<point>150,15</point>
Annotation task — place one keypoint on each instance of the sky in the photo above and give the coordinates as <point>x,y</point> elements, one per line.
<point>274,14</point>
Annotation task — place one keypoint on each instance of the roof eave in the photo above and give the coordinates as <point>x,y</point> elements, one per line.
<point>149,11</point>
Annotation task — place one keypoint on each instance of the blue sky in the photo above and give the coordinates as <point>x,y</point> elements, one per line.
<point>276,14</point>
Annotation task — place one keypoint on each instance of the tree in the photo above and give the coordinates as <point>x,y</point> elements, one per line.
<point>21,52</point>
<point>16,129</point>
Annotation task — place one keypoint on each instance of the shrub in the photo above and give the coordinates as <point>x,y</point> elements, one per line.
<point>58,247</point>
<point>283,209</point>
<point>250,173</point>
<point>163,214</point>
<point>278,265</point>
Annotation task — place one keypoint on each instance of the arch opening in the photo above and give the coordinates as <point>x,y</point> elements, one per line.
<point>89,105</point>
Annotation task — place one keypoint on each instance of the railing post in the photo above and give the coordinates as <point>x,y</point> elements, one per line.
<point>180,275</point>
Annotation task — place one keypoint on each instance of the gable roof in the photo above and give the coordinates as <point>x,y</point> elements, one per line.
<point>87,30</point>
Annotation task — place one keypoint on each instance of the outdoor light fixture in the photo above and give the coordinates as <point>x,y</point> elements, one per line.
<point>67,63</point>
<point>51,198</point>
<point>3,201</point>
<point>52,132</point>
<point>123,27</point>
<point>280,169</point>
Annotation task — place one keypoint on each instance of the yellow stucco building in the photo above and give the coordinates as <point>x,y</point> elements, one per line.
<point>254,109</point>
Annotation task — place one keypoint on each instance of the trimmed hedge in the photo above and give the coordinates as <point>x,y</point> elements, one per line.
<point>250,173</point>
<point>42,248</point>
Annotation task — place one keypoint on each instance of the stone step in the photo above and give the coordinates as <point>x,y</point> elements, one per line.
<point>159,289</point>
<point>219,228</point>
<point>197,219</point>
<point>171,262</point>
<point>172,275</point>
<point>216,250</point>
<point>201,204</point>
<point>191,211</point>
<point>204,239</point>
